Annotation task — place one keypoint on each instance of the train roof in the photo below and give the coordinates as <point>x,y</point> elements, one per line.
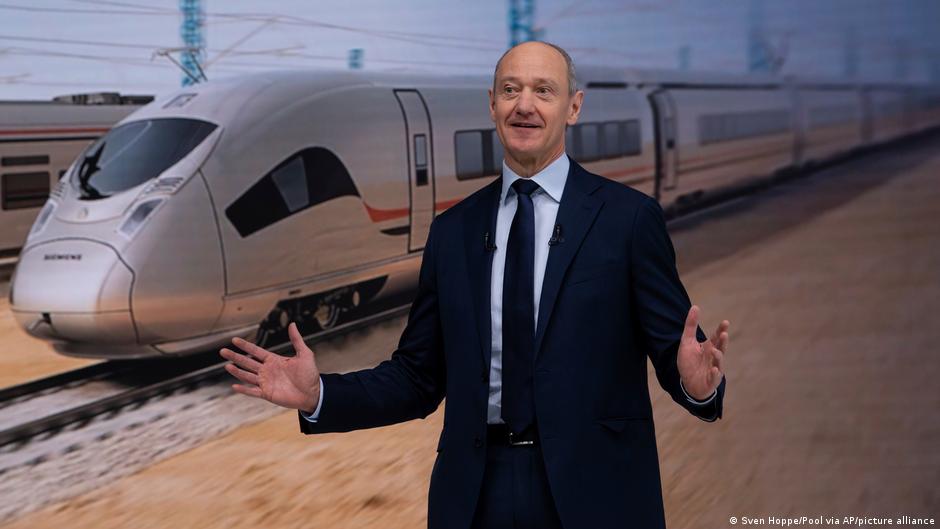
<point>643,77</point>
<point>258,94</point>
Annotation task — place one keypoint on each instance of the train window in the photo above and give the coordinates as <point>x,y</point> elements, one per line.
<point>576,152</point>
<point>630,144</point>
<point>291,182</point>
<point>10,161</point>
<point>497,153</point>
<point>421,151</point>
<point>612,143</point>
<point>421,159</point>
<point>133,153</point>
<point>478,153</point>
<point>714,128</point>
<point>830,115</point>
<point>708,129</point>
<point>569,141</point>
<point>309,177</point>
<point>492,164</point>
<point>468,150</point>
<point>24,190</point>
<point>889,108</point>
<point>590,142</point>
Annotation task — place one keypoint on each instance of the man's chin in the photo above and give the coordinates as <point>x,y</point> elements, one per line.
<point>525,152</point>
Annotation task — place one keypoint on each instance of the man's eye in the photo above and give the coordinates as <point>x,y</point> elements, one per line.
<point>508,89</point>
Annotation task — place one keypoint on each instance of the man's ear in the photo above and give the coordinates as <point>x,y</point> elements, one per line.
<point>492,105</point>
<point>575,109</point>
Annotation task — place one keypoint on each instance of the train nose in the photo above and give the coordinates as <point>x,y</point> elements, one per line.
<point>74,290</point>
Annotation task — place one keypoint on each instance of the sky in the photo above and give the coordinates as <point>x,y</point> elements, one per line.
<point>55,47</point>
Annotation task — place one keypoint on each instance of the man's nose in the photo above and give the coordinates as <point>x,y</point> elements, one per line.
<point>526,102</point>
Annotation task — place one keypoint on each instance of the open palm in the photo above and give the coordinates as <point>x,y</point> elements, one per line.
<point>699,363</point>
<point>291,382</point>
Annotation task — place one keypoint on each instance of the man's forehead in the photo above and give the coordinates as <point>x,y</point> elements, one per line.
<point>537,80</point>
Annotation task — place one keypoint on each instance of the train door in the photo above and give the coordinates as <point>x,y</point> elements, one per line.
<point>420,166</point>
<point>664,112</point>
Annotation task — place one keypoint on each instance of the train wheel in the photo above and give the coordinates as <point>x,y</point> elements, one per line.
<point>327,315</point>
<point>274,324</point>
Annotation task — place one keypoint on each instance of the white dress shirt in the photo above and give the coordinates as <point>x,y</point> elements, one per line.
<point>545,201</point>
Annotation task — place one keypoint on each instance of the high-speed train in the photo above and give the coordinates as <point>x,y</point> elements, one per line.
<point>38,141</point>
<point>236,206</point>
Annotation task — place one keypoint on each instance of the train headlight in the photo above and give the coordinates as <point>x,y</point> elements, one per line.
<point>138,215</point>
<point>42,218</point>
<point>164,185</point>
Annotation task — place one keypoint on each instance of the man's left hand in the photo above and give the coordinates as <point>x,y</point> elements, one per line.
<point>700,363</point>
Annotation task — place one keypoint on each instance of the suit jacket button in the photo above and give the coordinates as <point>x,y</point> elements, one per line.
<point>477,442</point>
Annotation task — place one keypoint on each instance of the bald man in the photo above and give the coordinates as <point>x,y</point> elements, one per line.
<point>538,335</point>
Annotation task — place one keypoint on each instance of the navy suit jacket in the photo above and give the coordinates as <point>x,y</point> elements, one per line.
<point>611,297</point>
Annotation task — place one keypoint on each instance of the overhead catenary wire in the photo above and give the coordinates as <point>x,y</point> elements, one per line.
<point>286,54</point>
<point>427,39</point>
<point>877,50</point>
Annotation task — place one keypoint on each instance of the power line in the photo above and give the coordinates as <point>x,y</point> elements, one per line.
<point>424,39</point>
<point>73,11</point>
<point>281,52</point>
<point>297,20</point>
<point>148,47</point>
<point>278,54</point>
<point>130,61</point>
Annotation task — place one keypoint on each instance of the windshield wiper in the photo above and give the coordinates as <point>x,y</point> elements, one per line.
<point>89,167</point>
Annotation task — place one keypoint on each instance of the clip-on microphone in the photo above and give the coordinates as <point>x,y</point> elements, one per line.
<point>556,236</point>
<point>487,245</point>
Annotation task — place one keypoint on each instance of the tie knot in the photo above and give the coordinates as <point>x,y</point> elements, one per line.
<point>524,186</point>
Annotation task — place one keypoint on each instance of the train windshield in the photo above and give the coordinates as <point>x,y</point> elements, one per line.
<point>132,153</point>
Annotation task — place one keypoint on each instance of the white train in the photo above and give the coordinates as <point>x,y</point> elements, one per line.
<point>38,141</point>
<point>235,206</point>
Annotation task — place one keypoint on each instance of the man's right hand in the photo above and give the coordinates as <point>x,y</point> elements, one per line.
<point>291,382</point>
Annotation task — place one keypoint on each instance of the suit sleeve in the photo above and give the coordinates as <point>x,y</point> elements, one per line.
<point>661,304</point>
<point>409,385</point>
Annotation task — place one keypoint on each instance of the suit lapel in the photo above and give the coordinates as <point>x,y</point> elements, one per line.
<point>481,219</point>
<point>576,213</point>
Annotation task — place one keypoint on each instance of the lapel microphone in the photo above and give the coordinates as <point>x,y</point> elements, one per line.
<point>487,245</point>
<point>556,236</point>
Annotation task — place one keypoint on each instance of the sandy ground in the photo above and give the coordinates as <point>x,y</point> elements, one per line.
<point>832,405</point>
<point>22,357</point>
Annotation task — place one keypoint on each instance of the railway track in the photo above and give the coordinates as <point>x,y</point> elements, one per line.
<point>110,387</point>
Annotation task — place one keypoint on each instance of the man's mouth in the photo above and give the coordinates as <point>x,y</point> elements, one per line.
<point>525,125</point>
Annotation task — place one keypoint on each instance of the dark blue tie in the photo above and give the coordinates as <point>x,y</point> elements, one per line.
<point>518,404</point>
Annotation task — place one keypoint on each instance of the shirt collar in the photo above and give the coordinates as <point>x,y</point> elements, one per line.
<point>551,179</point>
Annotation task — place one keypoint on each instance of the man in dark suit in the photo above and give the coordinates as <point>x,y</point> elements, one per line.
<point>540,297</point>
